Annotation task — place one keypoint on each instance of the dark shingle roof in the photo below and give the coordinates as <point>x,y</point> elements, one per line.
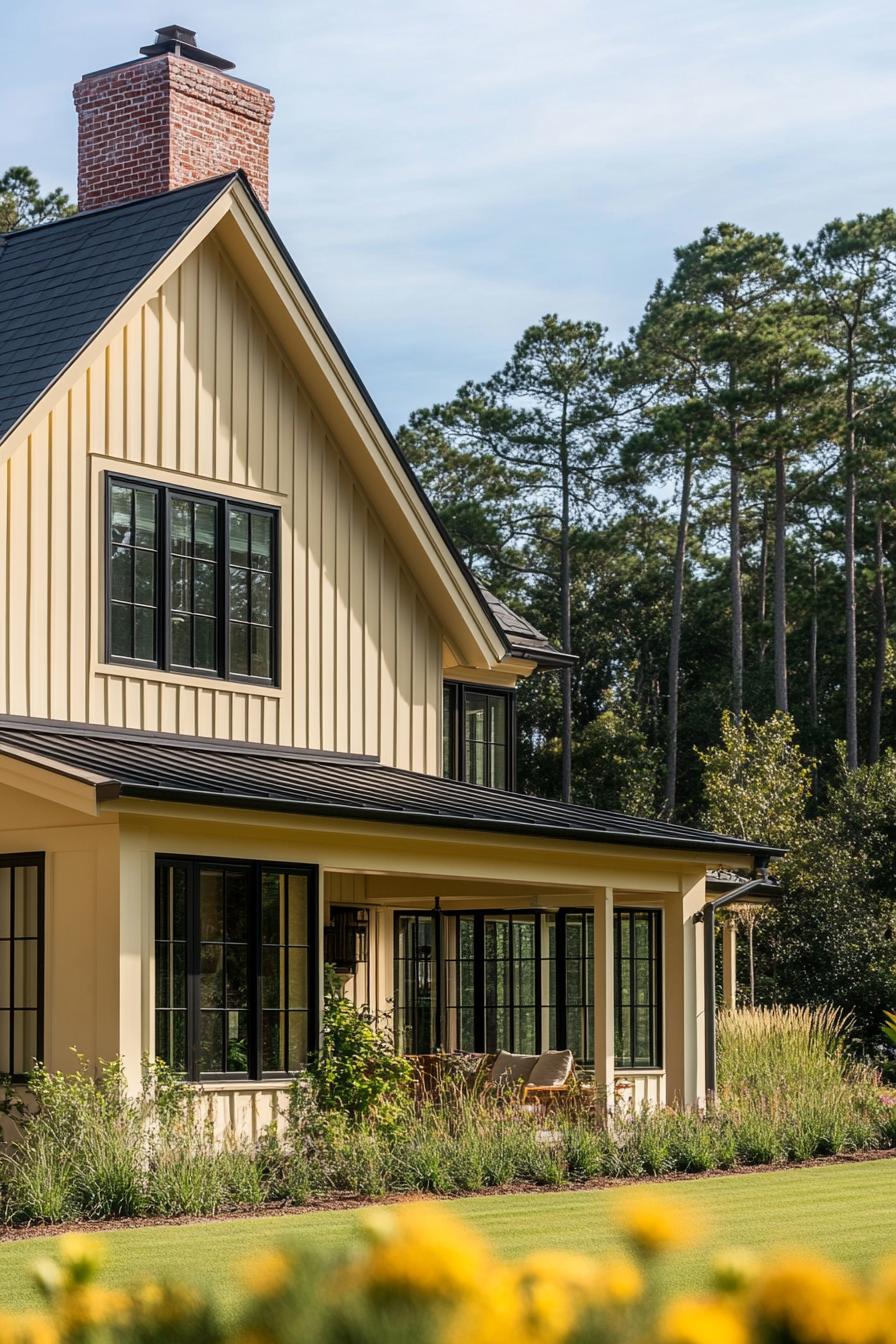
<point>228,774</point>
<point>60,283</point>
<point>522,637</point>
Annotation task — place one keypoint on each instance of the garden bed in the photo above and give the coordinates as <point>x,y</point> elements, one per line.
<point>346,1201</point>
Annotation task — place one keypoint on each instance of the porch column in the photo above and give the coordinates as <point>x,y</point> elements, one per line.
<point>684,998</point>
<point>729,962</point>
<point>604,1050</point>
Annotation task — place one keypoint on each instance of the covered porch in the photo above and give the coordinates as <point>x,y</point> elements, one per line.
<point>611,972</point>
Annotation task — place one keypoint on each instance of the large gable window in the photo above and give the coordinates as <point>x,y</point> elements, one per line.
<point>477,735</point>
<point>191,582</point>
<point>235,967</point>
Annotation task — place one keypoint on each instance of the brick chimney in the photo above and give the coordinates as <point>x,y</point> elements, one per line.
<point>174,117</point>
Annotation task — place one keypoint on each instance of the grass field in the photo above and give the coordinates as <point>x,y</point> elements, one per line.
<point>846,1212</point>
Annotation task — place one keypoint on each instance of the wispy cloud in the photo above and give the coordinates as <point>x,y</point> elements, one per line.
<point>445,173</point>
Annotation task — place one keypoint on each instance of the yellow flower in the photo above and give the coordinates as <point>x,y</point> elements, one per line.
<point>82,1255</point>
<point>734,1270</point>
<point>266,1274</point>
<point>650,1224</point>
<point>34,1329</point>
<point>554,1288</point>
<point>422,1249</point>
<point>620,1282</point>
<point>812,1302</point>
<point>87,1305</point>
<point>701,1320</point>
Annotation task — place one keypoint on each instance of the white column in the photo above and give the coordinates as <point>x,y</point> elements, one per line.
<point>684,1017</point>
<point>604,1052</point>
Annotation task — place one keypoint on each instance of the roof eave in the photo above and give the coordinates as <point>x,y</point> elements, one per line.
<point>338,811</point>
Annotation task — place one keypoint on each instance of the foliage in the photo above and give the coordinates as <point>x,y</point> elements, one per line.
<point>832,938</point>
<point>22,206</point>
<point>356,1069</point>
<point>418,1275</point>
<point>889,1027</point>
<point>788,1092</point>
<point>757,781</point>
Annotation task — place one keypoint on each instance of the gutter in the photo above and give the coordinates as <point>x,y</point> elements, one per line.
<point>707,917</point>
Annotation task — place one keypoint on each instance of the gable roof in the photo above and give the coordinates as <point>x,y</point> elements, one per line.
<point>134,764</point>
<point>61,283</point>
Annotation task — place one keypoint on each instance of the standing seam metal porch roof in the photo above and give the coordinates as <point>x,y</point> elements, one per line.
<point>226,774</point>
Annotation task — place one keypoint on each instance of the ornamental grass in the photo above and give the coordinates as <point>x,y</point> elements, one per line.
<point>418,1275</point>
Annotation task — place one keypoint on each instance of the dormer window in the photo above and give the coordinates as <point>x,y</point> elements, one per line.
<point>478,735</point>
<point>191,582</point>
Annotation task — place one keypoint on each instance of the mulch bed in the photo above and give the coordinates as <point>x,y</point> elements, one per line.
<point>335,1202</point>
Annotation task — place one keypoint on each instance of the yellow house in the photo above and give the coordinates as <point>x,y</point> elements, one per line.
<point>255,712</point>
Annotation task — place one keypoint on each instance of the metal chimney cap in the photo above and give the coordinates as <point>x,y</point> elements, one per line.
<point>177,41</point>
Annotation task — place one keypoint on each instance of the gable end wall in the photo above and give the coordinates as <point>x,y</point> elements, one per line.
<point>194,391</point>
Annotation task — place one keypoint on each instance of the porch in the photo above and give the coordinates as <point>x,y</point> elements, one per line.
<point>477,967</point>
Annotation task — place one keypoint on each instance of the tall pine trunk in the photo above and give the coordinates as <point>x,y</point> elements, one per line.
<point>849,555</point>
<point>565,614</point>
<point>763,579</point>
<point>880,649</point>
<point>780,595</point>
<point>675,636</point>
<point>813,653</point>
<point>737,612</point>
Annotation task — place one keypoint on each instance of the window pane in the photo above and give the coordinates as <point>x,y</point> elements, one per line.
<point>261,651</point>
<point>145,518</point>
<point>121,574</point>
<point>181,631</point>
<point>26,902</point>
<point>298,908</point>
<point>261,598</point>
<point>239,594</point>
<point>261,541</point>
<point>144,577</point>
<point>205,523</point>
<point>145,633</point>
<point>120,507</point>
<point>205,634</point>
<point>204,588</point>
<point>239,649</point>
<point>211,904</point>
<point>181,526</point>
<point>239,537</point>
<point>297,1052</point>
<point>211,1047</point>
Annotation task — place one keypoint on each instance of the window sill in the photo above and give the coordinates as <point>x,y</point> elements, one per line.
<point>639,1073</point>
<point>133,670</point>
<point>244,1085</point>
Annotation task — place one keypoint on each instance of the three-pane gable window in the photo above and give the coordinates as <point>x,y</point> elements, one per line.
<point>191,582</point>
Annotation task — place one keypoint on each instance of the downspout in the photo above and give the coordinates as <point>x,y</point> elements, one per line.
<point>707,916</point>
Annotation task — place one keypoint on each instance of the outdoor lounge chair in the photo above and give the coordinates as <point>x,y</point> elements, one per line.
<point>540,1078</point>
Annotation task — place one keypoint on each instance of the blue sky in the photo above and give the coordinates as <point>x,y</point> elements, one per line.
<point>446,173</point>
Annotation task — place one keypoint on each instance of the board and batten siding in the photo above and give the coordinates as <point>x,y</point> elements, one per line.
<point>194,391</point>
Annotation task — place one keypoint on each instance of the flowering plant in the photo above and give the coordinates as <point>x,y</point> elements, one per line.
<point>419,1275</point>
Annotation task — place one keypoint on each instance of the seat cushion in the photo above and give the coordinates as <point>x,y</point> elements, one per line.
<point>552,1069</point>
<point>509,1069</point>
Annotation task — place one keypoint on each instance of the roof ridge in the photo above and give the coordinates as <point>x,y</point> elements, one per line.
<point>119,205</point>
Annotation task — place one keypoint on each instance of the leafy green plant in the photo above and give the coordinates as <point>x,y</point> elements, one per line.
<point>356,1069</point>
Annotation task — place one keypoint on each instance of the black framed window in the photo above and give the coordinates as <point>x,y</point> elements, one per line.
<point>21,962</point>
<point>191,582</point>
<point>478,732</point>
<point>637,948</point>
<point>416,972</point>
<point>525,981</point>
<point>235,971</point>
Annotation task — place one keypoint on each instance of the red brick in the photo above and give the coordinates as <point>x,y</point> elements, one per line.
<point>164,122</point>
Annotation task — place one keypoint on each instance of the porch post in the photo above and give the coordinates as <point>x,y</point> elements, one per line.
<point>684,995</point>
<point>729,963</point>
<point>604,1050</point>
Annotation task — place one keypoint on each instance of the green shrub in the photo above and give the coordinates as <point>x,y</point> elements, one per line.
<point>356,1069</point>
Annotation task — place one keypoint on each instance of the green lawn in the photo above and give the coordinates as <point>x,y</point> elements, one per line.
<point>846,1212</point>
